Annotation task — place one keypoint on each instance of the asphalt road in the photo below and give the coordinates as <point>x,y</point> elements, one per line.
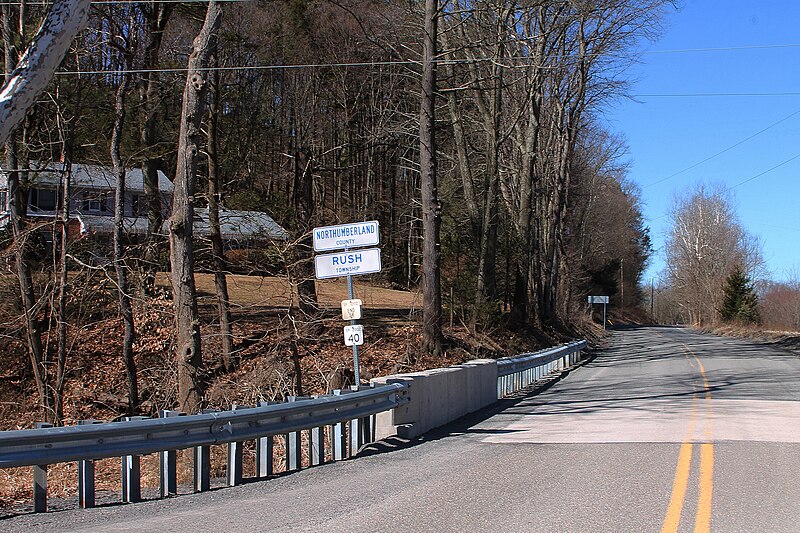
<point>667,430</point>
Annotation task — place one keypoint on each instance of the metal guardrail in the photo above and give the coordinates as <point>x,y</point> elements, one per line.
<point>345,419</point>
<point>515,373</point>
<point>348,413</point>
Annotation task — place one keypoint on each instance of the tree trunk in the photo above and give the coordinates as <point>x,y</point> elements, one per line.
<point>157,15</point>
<point>17,208</point>
<point>217,249</point>
<point>520,308</point>
<point>36,67</point>
<point>63,285</point>
<point>187,319</point>
<point>120,265</point>
<point>431,273</point>
<point>303,199</point>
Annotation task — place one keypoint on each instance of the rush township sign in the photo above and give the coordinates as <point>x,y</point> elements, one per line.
<point>351,263</point>
<point>345,236</point>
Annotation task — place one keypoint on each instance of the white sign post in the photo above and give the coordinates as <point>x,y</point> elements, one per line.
<point>600,300</point>
<point>348,263</point>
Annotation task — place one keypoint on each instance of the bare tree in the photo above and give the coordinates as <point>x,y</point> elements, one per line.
<point>704,245</point>
<point>156,16</point>
<point>431,273</point>
<point>36,66</point>
<point>217,249</point>
<point>187,319</point>
<point>13,111</point>
<point>126,49</point>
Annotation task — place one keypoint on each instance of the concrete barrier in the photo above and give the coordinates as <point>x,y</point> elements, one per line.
<point>442,395</point>
<point>438,397</point>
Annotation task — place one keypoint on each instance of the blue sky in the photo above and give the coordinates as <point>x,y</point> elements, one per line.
<point>710,47</point>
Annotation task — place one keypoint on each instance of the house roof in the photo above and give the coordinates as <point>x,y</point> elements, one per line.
<point>241,225</point>
<point>105,224</point>
<point>234,225</point>
<point>87,177</point>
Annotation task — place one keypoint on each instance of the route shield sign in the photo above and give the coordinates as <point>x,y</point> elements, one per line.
<point>354,335</point>
<point>353,235</point>
<point>352,263</point>
<point>351,309</point>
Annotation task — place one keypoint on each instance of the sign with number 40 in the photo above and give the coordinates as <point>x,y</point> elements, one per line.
<point>354,335</point>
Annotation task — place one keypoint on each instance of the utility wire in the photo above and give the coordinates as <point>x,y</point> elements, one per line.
<point>724,48</point>
<point>712,95</point>
<point>728,149</point>
<point>748,180</point>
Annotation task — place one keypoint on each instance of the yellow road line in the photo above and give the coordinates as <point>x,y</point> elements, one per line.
<point>673,518</point>
<point>702,520</point>
<point>706,482</point>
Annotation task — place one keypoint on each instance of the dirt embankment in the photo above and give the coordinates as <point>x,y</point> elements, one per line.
<point>279,352</point>
<point>788,340</point>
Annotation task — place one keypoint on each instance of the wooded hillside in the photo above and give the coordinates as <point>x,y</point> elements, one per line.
<point>470,130</point>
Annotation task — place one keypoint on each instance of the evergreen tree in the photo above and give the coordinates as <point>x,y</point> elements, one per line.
<point>740,303</point>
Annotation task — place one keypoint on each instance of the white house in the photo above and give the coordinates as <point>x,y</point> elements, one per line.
<point>92,204</point>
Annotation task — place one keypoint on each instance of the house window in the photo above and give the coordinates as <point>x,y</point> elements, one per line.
<point>43,199</point>
<point>3,201</point>
<point>95,203</point>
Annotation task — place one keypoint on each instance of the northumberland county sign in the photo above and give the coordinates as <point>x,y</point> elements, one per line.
<point>352,235</point>
<point>352,263</point>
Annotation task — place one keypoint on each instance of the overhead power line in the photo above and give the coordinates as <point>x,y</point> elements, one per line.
<point>748,180</point>
<point>712,95</point>
<point>724,48</point>
<point>728,149</point>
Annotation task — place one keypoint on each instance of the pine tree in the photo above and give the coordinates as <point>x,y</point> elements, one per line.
<point>740,303</point>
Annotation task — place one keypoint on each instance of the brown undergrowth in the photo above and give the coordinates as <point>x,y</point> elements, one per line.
<point>268,332</point>
<point>789,340</point>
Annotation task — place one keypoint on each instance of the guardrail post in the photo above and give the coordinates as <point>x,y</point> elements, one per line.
<point>234,470</point>
<point>86,475</point>
<point>338,437</point>
<point>40,480</point>
<point>369,425</point>
<point>354,431</point>
<point>354,434</point>
<point>202,468</point>
<point>264,456</point>
<point>365,426</point>
<point>168,463</point>
<point>264,450</point>
<point>201,461</point>
<point>131,474</point>
<point>316,446</point>
<point>294,448</point>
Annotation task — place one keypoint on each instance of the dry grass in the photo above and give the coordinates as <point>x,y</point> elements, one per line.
<point>258,291</point>
<point>263,338</point>
<point>789,340</point>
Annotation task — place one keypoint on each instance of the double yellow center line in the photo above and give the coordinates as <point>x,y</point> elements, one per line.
<point>702,522</point>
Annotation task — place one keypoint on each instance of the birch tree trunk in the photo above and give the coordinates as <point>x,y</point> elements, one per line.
<point>187,320</point>
<point>37,65</point>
